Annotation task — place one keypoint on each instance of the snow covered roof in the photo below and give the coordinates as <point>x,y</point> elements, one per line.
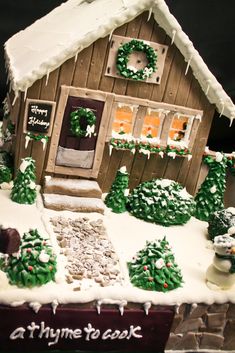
<point>74,25</point>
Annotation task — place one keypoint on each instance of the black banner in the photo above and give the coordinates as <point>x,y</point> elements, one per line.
<point>38,117</point>
<point>72,328</point>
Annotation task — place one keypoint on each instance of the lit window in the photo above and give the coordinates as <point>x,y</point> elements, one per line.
<point>180,128</point>
<point>123,120</point>
<point>152,124</point>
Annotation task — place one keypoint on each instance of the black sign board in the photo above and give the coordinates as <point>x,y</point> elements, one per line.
<point>39,117</point>
<point>73,329</point>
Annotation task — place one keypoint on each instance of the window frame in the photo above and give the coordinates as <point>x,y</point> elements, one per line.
<point>169,111</point>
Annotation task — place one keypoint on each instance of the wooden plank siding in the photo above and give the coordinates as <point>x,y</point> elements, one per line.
<point>87,71</point>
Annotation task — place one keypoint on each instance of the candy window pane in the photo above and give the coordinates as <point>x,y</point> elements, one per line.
<point>123,120</point>
<point>152,125</point>
<point>179,128</point>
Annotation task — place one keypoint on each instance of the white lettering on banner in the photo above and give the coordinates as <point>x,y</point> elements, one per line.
<point>34,121</point>
<point>34,109</point>
<point>90,333</point>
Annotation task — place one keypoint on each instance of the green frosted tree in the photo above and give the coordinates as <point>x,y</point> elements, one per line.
<point>116,199</point>
<point>222,222</point>
<point>154,268</point>
<point>34,265</point>
<point>5,174</point>
<point>210,197</point>
<point>24,189</point>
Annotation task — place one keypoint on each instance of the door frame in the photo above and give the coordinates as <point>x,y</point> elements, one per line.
<point>65,92</point>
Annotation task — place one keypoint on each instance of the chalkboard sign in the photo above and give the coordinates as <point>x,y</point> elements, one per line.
<point>39,116</point>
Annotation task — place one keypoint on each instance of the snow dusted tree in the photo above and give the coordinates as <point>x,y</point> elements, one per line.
<point>117,196</point>
<point>210,197</point>
<point>24,189</point>
<point>161,201</point>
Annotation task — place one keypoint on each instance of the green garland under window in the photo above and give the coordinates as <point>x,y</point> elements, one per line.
<point>75,118</point>
<point>146,146</point>
<point>123,55</point>
<point>37,137</point>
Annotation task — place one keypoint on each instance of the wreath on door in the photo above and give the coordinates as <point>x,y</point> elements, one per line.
<point>123,56</point>
<point>75,122</point>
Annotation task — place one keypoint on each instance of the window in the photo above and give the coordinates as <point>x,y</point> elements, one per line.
<point>180,129</point>
<point>152,124</point>
<point>124,115</point>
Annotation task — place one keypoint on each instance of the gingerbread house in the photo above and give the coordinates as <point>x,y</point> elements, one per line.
<point>108,83</point>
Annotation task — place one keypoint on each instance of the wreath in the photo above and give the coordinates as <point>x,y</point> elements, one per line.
<point>123,55</point>
<point>75,118</point>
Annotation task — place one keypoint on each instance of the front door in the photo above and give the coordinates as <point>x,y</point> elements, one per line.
<point>69,152</point>
<point>77,149</point>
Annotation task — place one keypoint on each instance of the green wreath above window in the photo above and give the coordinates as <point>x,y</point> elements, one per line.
<point>123,56</point>
<point>90,119</point>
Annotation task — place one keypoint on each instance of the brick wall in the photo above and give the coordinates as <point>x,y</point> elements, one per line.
<point>200,326</point>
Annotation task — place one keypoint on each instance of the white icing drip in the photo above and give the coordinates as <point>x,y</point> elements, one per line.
<point>54,305</point>
<point>193,307</point>
<point>122,306</point>
<point>110,150</point>
<point>177,309</point>
<point>25,94</point>
<point>147,306</point>
<point>47,77</point>
<point>110,35</point>
<point>98,306</point>
<point>15,98</point>
<point>188,64</point>
<point>173,36</point>
<point>35,306</point>
<point>150,14</point>
<point>27,139</point>
<point>44,142</point>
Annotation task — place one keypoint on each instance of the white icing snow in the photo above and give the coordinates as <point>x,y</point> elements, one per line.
<point>218,157</point>
<point>72,184</point>
<point>184,194</point>
<point>164,183</point>
<point>213,189</point>
<point>128,235</point>
<point>75,24</point>
<point>44,257</point>
<point>24,165</point>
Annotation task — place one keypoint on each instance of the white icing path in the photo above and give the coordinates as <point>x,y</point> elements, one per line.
<point>128,235</point>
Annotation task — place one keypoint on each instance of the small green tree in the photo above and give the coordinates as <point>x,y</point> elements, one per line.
<point>221,222</point>
<point>210,197</point>
<point>5,174</point>
<point>24,189</point>
<point>154,268</point>
<point>117,196</point>
<point>35,264</point>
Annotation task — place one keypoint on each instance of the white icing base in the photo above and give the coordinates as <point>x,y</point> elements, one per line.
<point>128,235</point>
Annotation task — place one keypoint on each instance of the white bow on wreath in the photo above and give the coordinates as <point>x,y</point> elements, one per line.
<point>90,130</point>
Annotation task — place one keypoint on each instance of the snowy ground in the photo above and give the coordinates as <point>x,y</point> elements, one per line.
<point>189,243</point>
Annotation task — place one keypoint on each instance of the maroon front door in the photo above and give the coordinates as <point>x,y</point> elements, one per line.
<point>74,151</point>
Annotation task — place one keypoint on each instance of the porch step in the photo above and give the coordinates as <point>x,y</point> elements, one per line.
<point>60,202</point>
<point>72,187</point>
